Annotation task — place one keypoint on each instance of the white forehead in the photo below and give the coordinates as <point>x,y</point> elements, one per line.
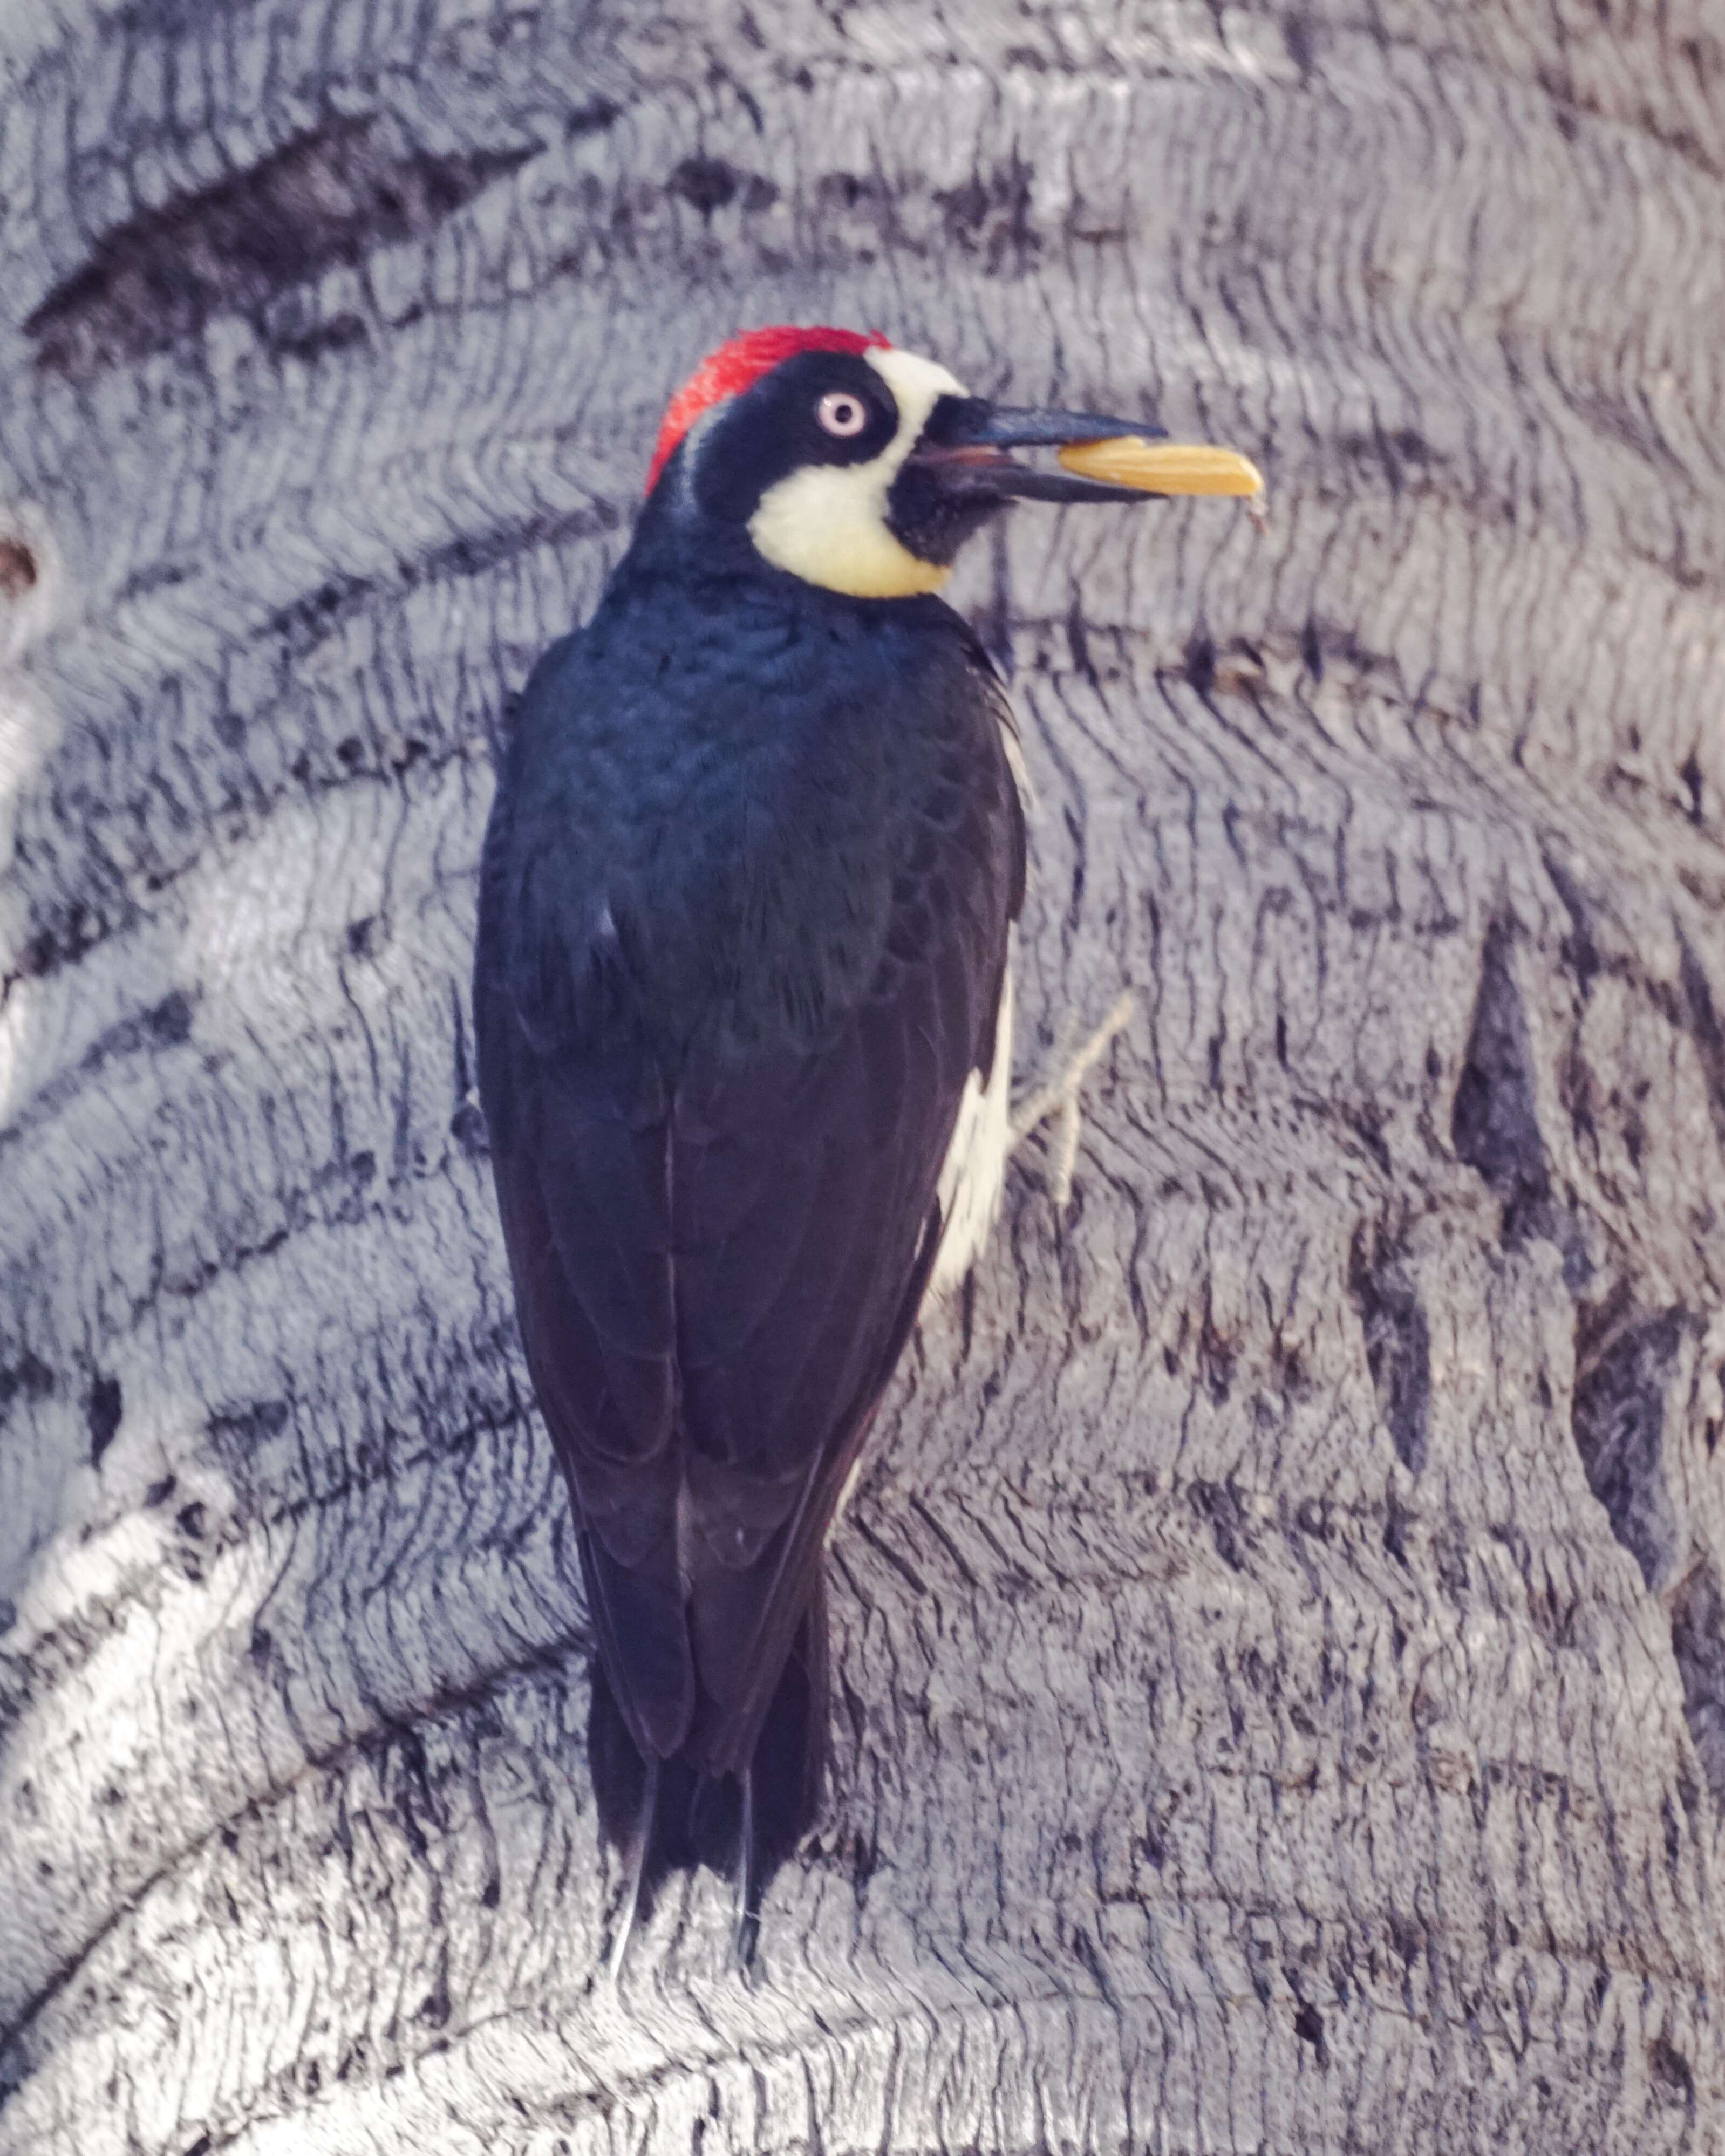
<point>917,386</point>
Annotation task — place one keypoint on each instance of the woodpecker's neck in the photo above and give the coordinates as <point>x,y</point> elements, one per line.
<point>674,535</point>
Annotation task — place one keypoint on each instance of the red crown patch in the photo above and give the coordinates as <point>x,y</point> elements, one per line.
<point>733,366</point>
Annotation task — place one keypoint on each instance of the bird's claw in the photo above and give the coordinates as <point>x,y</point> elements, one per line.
<point>1060,1099</point>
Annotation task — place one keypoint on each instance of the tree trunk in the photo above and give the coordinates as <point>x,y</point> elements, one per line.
<point>1280,1637</point>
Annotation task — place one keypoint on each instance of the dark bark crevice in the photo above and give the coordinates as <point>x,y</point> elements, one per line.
<point>329,196</point>
<point>1397,1340</point>
<point>1623,1367</point>
<point>1495,1121</point>
<point>1698,1643</point>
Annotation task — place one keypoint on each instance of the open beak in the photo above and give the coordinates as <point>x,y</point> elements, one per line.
<point>968,442</point>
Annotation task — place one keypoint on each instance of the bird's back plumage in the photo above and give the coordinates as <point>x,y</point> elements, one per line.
<point>744,917</point>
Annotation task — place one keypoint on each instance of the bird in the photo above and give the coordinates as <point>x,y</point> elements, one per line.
<point>743,1012</point>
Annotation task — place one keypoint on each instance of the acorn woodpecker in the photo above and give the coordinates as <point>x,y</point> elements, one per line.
<point>742,1000</point>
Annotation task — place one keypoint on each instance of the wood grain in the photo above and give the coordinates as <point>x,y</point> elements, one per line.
<point>1280,1636</point>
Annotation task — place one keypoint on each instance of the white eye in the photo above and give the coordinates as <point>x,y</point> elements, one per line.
<point>841,413</point>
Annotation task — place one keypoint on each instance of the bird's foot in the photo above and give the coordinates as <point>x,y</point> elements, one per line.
<point>1059,1100</point>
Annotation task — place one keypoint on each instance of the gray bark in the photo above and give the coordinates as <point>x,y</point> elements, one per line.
<point>1280,1635</point>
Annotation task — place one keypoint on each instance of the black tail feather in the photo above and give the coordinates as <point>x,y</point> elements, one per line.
<point>619,1773</point>
<point>788,1765</point>
<point>681,1816</point>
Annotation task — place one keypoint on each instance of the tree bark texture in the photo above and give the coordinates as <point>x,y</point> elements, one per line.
<point>1280,1634</point>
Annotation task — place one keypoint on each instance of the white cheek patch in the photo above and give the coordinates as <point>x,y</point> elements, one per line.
<point>827,523</point>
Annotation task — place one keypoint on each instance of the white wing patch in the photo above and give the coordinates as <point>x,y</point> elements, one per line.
<point>973,1173</point>
<point>972,1176</point>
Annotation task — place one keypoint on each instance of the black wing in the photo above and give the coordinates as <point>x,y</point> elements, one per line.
<point>718,1256</point>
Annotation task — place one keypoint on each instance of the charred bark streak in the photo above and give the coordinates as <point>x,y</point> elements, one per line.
<point>1495,1124</point>
<point>1623,1358</point>
<point>103,1411</point>
<point>1698,1643</point>
<point>333,196</point>
<point>166,1024</point>
<point>1398,1342</point>
<point>17,569</point>
<point>1705,1029</point>
<point>1623,1365</point>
